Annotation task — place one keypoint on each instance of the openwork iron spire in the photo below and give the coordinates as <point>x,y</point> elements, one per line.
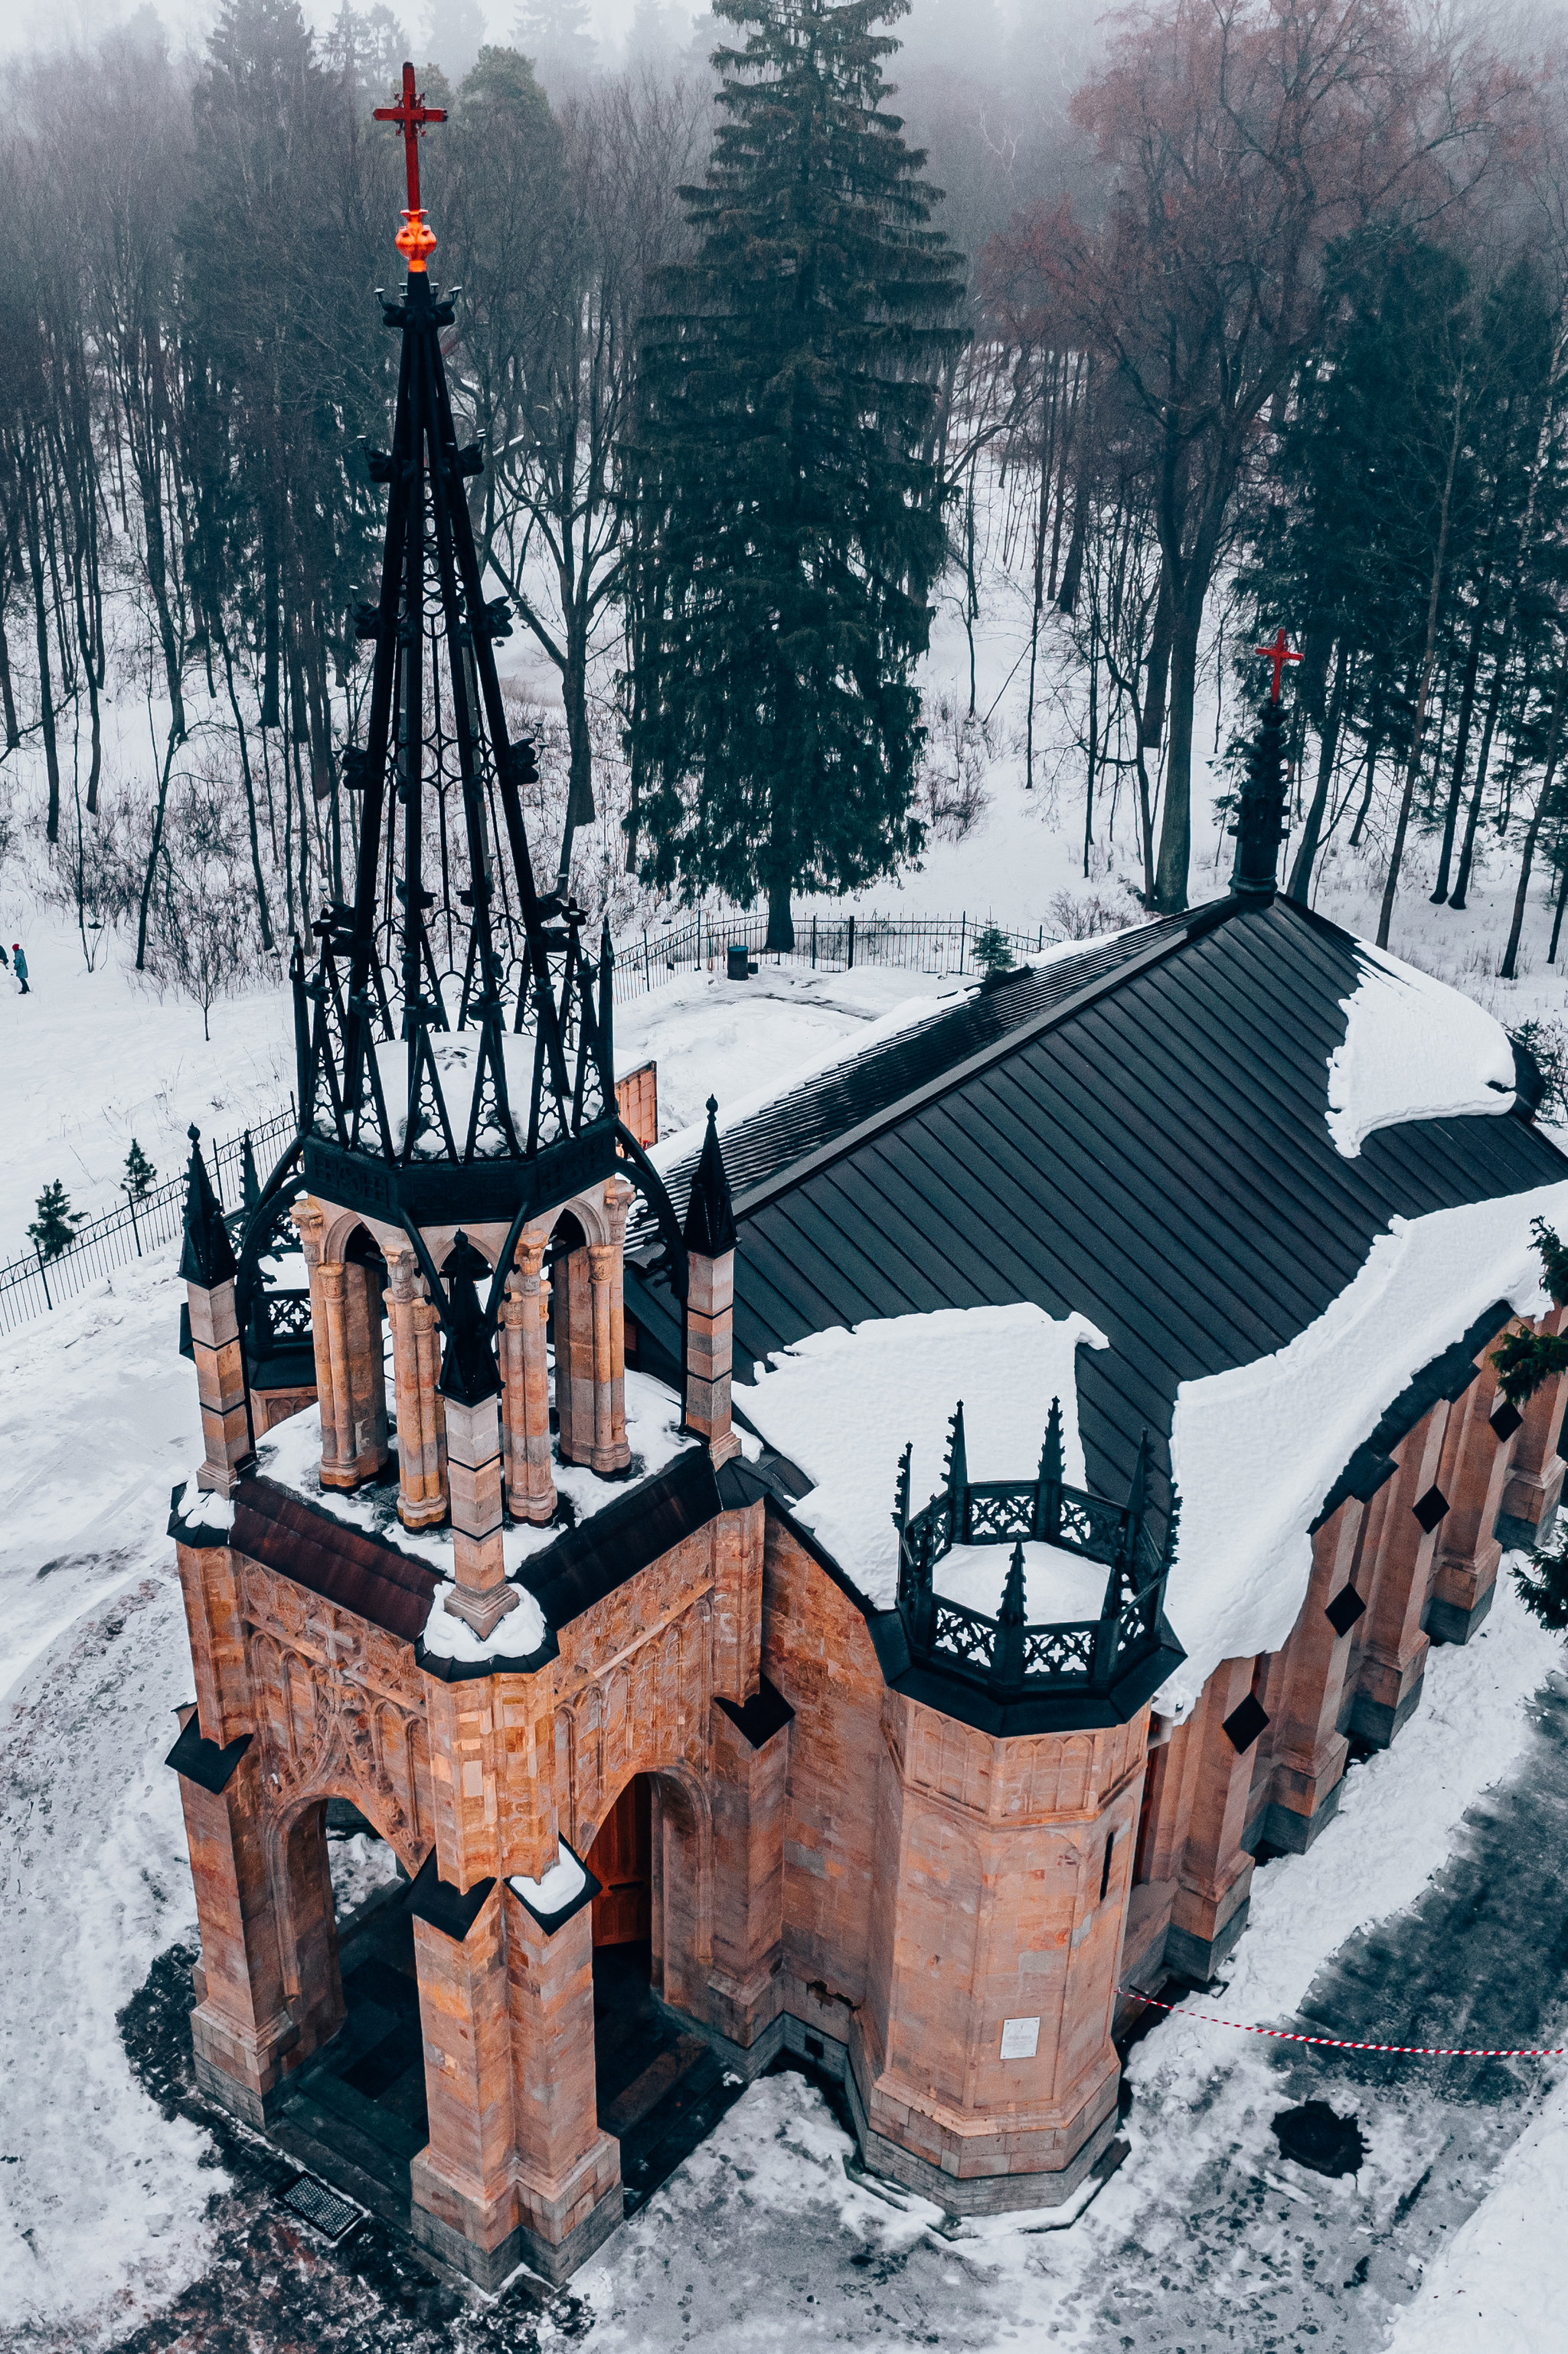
<point>454,1037</point>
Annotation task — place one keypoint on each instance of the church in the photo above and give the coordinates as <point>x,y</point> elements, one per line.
<point>862,1581</point>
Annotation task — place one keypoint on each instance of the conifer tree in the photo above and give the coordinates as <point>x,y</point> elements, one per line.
<point>139,1172</point>
<point>788,506</point>
<point>54,1229</point>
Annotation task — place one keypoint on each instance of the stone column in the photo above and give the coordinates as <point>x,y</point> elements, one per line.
<point>1309,1751</point>
<point>710,1310</point>
<point>421,1422</point>
<point>340,1455</point>
<point>1215,1878</point>
<point>482,1596</point>
<point>464,2202</point>
<point>618,1201</point>
<point>608,1453</point>
<point>750,1762</point>
<point>1394,1652</point>
<point>1535,1485</point>
<point>366,1371</point>
<point>573,1306</point>
<point>568,2172</point>
<point>243,2032</point>
<point>307,1216</point>
<point>1473,1472</point>
<point>228,1450</point>
<point>525,1386</point>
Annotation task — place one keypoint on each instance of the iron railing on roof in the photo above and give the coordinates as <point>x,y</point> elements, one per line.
<point>941,945</point>
<point>1001,1653</point>
<point>32,1285</point>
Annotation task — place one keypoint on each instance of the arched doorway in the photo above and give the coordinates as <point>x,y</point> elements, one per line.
<point>662,2087</point>
<point>356,2112</point>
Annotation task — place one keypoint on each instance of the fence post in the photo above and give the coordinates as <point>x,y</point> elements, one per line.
<point>963,919</point>
<point>647,977</point>
<point>850,965</point>
<point>814,944</point>
<point>135,1229</point>
<point>43,1270</point>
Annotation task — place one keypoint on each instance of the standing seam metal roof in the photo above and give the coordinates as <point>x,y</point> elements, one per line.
<point>1138,1134</point>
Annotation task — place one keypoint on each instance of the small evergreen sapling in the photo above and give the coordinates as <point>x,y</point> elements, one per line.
<point>1526,1359</point>
<point>54,1229</point>
<point>1542,1584</point>
<point>991,954</point>
<point>140,1173</point>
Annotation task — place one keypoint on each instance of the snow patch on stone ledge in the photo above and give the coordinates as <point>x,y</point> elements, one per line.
<point>517,1636</point>
<point>1256,1449</point>
<point>843,1404</point>
<point>202,1507</point>
<point>561,1885</point>
<point>1414,1049</point>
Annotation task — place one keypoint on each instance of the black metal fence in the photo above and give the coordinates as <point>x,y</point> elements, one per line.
<point>32,1285</point>
<point>929,944</point>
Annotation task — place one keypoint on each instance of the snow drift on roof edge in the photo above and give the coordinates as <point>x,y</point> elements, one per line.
<point>843,1404</point>
<point>1414,1049</point>
<point>1255,1451</point>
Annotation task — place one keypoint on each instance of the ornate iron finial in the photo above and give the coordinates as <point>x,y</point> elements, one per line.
<point>207,1256</point>
<point>1050,1452</point>
<point>416,240</point>
<point>469,1374</point>
<point>249,1183</point>
<point>901,1497</point>
<point>1007,1643</point>
<point>1012,1613</point>
<point>709,1230</point>
<point>956,1470</point>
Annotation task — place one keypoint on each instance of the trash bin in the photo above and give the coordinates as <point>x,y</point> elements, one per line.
<point>740,965</point>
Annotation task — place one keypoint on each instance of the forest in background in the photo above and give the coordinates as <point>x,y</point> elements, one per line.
<point>1265,317</point>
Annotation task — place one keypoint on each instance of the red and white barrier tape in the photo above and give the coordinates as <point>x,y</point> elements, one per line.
<point>1341,2043</point>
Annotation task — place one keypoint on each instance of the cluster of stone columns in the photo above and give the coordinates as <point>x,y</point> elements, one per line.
<point>589,1335</point>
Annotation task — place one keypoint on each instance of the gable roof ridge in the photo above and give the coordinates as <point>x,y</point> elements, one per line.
<point>1200,921</point>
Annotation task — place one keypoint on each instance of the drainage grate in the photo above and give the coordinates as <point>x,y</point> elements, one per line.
<point>333,2217</point>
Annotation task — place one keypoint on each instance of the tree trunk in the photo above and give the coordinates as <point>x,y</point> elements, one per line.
<point>46,687</point>
<point>1413,765</point>
<point>1462,744</point>
<point>1478,793</point>
<point>1176,828</point>
<point>1507,971</point>
<point>1301,884</point>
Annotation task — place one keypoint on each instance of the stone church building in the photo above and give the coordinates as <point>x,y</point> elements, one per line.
<point>602,1523</point>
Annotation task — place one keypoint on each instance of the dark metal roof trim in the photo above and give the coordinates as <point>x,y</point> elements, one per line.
<point>598,1555</point>
<point>450,1910</point>
<point>202,1761</point>
<point>362,1573</point>
<point>1447,1375</point>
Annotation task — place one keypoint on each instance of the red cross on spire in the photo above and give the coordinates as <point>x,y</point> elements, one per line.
<point>1278,652</point>
<point>415,241</point>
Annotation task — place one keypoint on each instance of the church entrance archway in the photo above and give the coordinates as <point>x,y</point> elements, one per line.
<point>661,2086</point>
<point>359,2100</point>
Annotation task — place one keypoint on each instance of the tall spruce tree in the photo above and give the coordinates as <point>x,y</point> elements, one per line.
<point>788,524</point>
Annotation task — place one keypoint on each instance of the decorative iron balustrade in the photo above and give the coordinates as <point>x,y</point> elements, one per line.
<point>1008,1657</point>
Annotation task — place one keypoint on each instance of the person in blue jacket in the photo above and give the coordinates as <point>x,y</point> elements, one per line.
<point>20,963</point>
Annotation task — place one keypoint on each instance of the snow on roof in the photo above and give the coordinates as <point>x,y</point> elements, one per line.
<point>685,1143</point>
<point>1414,1049</point>
<point>1256,1449</point>
<point>843,1405</point>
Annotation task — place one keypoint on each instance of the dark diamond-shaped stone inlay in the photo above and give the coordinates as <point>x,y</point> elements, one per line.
<point>1344,1610</point>
<point>1244,1724</point>
<point>1430,1508</point>
<point>1506,1420</point>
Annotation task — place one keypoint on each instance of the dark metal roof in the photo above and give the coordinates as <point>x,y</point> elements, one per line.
<point>1138,1134</point>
